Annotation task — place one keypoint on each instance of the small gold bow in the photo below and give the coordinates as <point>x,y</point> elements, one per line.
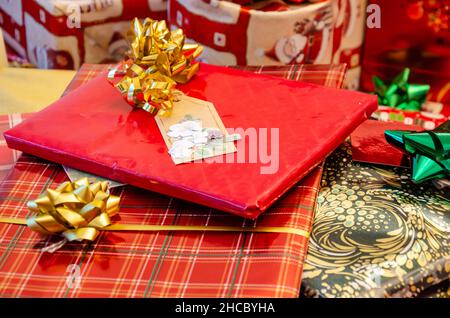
<point>76,210</point>
<point>159,60</point>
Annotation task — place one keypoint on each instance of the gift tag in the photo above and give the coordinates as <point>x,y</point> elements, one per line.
<point>194,131</point>
<point>75,174</point>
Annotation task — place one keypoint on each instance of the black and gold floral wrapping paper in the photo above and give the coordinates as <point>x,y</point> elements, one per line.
<point>377,234</point>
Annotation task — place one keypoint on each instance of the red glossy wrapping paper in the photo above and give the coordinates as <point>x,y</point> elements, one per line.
<point>93,129</point>
<point>370,146</point>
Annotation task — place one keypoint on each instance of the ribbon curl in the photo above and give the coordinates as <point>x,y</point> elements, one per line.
<point>400,94</point>
<point>159,59</point>
<point>76,210</point>
<point>430,151</point>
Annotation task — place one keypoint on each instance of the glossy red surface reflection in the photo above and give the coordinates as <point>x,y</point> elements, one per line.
<point>95,130</point>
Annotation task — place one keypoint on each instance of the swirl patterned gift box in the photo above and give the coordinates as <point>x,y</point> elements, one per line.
<point>340,279</point>
<point>376,233</point>
<point>127,146</point>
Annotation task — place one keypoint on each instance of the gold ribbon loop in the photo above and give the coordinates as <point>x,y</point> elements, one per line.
<point>159,60</point>
<point>75,210</point>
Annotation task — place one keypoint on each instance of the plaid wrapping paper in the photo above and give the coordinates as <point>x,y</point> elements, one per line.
<point>8,156</point>
<point>159,264</point>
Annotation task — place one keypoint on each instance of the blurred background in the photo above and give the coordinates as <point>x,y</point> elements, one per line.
<point>373,37</point>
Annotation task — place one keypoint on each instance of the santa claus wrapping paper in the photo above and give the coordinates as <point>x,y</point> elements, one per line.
<point>62,34</point>
<point>275,32</point>
<point>349,39</point>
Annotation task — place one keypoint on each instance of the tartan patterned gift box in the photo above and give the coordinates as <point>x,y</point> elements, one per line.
<point>160,264</point>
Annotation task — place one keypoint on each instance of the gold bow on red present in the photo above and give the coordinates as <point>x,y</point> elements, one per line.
<point>159,59</point>
<point>76,210</point>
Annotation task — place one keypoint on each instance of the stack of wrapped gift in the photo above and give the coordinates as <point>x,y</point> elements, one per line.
<point>376,233</point>
<point>275,32</point>
<point>222,168</point>
<point>382,221</point>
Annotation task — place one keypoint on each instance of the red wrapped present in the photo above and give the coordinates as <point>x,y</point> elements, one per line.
<point>8,156</point>
<point>96,131</point>
<point>174,264</point>
<point>376,233</point>
<point>158,264</point>
<point>348,39</point>
<point>63,34</point>
<point>414,34</point>
<point>275,32</point>
<point>369,144</point>
<point>327,75</point>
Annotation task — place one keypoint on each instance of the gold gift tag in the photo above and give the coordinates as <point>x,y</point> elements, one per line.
<point>194,131</point>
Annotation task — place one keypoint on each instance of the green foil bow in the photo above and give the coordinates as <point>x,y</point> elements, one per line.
<point>430,151</point>
<point>400,94</point>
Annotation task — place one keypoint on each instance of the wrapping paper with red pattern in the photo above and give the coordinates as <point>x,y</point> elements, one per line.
<point>428,120</point>
<point>8,156</point>
<point>288,120</point>
<point>413,34</point>
<point>173,264</point>
<point>275,33</point>
<point>48,34</point>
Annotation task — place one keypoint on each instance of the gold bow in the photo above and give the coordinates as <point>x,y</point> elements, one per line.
<point>159,60</point>
<point>76,210</point>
